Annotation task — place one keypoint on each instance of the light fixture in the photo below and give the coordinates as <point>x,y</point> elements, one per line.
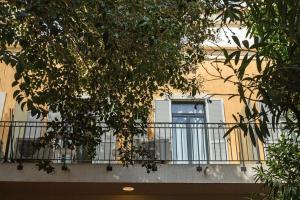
<point>128,189</point>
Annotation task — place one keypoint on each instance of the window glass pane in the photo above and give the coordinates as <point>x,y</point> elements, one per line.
<point>187,108</point>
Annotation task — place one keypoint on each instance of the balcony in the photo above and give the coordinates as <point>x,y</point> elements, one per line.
<point>166,143</point>
<point>193,160</point>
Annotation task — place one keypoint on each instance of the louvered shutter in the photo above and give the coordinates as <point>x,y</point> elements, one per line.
<point>217,144</point>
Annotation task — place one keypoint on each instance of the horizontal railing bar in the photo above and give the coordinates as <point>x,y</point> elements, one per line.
<point>225,123</point>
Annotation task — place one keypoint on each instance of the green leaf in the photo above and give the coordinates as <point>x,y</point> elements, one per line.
<point>264,128</point>
<point>256,43</point>
<point>15,83</point>
<point>225,52</point>
<point>248,112</point>
<point>19,98</point>
<point>258,132</point>
<point>237,57</point>
<point>22,105</point>
<point>243,127</point>
<point>19,67</point>
<point>258,63</point>
<point>246,43</point>
<point>236,40</point>
<point>229,57</point>
<point>245,63</point>
<point>16,93</point>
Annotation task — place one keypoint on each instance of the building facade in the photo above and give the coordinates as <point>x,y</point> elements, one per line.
<point>185,137</point>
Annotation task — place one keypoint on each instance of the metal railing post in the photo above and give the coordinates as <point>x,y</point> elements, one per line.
<point>242,161</point>
<point>207,145</point>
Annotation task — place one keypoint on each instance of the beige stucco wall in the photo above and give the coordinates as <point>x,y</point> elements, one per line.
<point>6,79</point>
<point>212,87</point>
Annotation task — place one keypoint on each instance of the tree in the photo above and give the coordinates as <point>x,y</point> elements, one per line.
<point>101,61</point>
<point>273,93</point>
<point>275,50</point>
<point>283,173</point>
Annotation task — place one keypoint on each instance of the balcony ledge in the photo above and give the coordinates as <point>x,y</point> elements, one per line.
<point>94,182</point>
<point>97,173</point>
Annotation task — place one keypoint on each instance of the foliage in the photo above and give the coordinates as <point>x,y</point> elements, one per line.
<point>272,94</point>
<point>282,171</point>
<point>101,61</point>
<point>45,165</point>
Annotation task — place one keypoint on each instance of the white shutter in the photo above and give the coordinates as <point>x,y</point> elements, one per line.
<point>33,129</point>
<point>217,144</point>
<point>215,111</point>
<point>163,118</point>
<point>18,132</point>
<point>19,114</point>
<point>2,102</point>
<point>163,111</point>
<point>26,130</point>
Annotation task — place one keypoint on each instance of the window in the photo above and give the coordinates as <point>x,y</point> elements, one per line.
<point>195,129</point>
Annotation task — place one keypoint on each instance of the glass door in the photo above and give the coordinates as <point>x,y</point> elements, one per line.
<point>188,134</point>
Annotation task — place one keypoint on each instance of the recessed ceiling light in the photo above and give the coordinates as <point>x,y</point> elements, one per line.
<point>128,189</point>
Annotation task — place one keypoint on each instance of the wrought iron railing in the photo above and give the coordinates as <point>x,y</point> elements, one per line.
<point>168,143</point>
